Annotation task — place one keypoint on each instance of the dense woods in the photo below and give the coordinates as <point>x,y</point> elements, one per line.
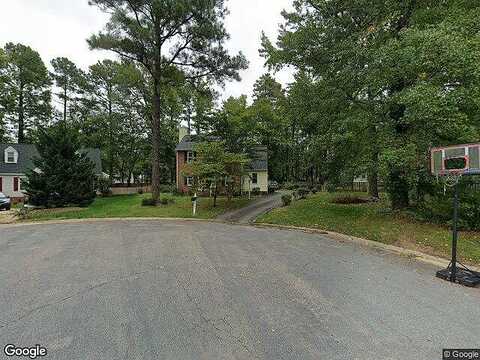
<point>377,83</point>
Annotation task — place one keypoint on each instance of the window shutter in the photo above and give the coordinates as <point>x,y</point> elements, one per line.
<point>1,184</point>
<point>15,184</point>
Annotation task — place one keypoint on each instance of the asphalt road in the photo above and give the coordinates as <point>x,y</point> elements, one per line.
<point>248,214</point>
<point>198,290</point>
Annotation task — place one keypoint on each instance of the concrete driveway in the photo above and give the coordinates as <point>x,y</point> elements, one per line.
<point>198,290</point>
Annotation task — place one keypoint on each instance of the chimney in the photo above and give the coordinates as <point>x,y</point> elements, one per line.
<point>182,132</point>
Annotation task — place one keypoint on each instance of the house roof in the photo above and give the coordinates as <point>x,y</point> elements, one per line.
<point>188,142</point>
<point>258,154</point>
<point>27,152</point>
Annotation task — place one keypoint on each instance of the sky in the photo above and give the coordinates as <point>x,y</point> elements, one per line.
<point>60,28</point>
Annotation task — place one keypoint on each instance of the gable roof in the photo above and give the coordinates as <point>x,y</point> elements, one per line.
<point>188,142</point>
<point>258,154</point>
<point>27,152</point>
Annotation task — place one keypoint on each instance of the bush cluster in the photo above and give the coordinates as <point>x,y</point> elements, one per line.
<point>286,199</point>
<point>302,193</point>
<point>438,208</point>
<point>349,199</point>
<point>165,200</point>
<point>149,202</point>
<point>104,186</point>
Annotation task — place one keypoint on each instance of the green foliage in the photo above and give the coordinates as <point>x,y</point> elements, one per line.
<point>437,207</point>
<point>165,200</point>
<point>104,186</point>
<point>24,91</point>
<point>70,81</point>
<point>167,188</point>
<point>331,187</point>
<point>214,166</point>
<point>286,199</point>
<point>349,199</point>
<point>195,35</point>
<point>149,202</point>
<point>63,174</point>
<point>117,118</point>
<point>303,193</point>
<point>378,86</point>
<point>24,213</point>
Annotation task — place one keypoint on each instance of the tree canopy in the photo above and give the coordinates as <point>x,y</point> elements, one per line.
<point>173,40</point>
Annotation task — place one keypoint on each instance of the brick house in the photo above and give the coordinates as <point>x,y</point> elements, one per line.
<point>257,170</point>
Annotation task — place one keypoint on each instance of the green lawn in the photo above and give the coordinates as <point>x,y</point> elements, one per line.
<point>374,222</point>
<point>130,206</point>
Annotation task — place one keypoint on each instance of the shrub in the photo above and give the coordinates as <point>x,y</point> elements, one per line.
<point>165,200</point>
<point>104,186</point>
<point>313,189</point>
<point>149,202</point>
<point>438,208</point>
<point>286,199</point>
<point>290,186</point>
<point>140,191</point>
<point>256,191</point>
<point>24,213</point>
<point>349,199</point>
<point>303,193</point>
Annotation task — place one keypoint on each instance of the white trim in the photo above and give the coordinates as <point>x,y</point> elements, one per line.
<point>8,151</point>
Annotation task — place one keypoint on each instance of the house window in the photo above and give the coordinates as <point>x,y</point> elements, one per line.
<point>254,178</point>
<point>190,157</point>
<point>189,181</point>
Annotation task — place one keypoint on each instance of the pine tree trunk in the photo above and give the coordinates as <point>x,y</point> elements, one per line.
<point>110,136</point>
<point>215,195</point>
<point>373,166</point>
<point>156,141</point>
<point>21,117</point>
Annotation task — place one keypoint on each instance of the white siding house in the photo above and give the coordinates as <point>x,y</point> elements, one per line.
<point>17,159</point>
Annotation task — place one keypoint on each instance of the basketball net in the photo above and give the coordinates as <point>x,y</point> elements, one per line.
<point>452,179</point>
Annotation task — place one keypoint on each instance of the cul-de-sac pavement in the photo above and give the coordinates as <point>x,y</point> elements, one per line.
<point>202,290</point>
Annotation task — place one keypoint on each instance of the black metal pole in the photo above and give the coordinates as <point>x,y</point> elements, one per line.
<point>453,272</point>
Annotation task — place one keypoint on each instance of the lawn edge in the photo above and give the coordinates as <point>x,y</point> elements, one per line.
<point>97,220</point>
<point>413,254</point>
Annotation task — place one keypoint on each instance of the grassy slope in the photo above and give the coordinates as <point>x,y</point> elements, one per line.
<point>374,222</point>
<point>130,206</point>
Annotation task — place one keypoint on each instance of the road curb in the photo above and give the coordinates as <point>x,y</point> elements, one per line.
<point>413,254</point>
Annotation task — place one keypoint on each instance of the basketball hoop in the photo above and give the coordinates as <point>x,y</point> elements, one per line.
<point>451,163</point>
<point>452,179</point>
